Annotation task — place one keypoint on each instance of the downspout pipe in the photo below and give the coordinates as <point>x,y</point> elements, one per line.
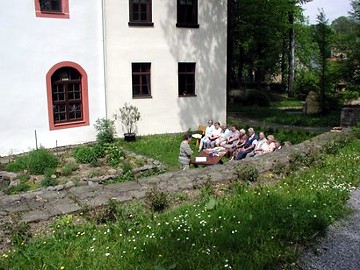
<point>103,17</point>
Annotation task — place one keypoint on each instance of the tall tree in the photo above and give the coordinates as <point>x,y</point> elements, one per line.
<point>322,35</point>
<point>293,4</point>
<point>258,34</point>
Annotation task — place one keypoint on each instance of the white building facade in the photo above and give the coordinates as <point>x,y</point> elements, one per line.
<point>66,63</point>
<point>52,73</point>
<point>168,58</point>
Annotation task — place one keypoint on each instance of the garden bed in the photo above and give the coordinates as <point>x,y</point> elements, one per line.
<point>65,167</point>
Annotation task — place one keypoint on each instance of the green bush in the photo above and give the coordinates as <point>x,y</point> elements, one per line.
<point>114,155</point>
<point>20,233</point>
<point>247,173</point>
<point>17,165</point>
<point>105,130</point>
<point>85,155</point>
<point>306,81</point>
<point>35,161</point>
<point>100,150</point>
<point>158,201</point>
<point>68,168</point>
<point>22,187</point>
<point>49,181</point>
<point>41,159</point>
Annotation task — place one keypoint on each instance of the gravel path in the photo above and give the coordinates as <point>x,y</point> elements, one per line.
<point>340,249</point>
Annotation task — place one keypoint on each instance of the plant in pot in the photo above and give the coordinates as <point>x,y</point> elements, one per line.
<point>128,115</point>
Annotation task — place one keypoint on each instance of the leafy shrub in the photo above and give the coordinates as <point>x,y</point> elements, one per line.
<point>49,172</point>
<point>114,155</point>
<point>296,159</point>
<point>49,181</point>
<point>35,161</point>
<point>247,173</point>
<point>105,130</point>
<point>100,150</point>
<point>85,155</point>
<point>207,189</point>
<point>127,172</point>
<point>17,165</point>
<point>22,187</point>
<point>356,130</point>
<point>306,81</point>
<point>41,159</point>
<point>23,178</point>
<point>68,168</point>
<point>20,233</point>
<point>158,201</point>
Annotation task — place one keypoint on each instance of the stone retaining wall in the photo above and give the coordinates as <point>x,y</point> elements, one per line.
<point>44,204</point>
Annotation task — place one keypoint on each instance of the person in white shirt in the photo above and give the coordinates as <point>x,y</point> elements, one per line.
<point>258,147</point>
<point>208,132</point>
<point>214,136</point>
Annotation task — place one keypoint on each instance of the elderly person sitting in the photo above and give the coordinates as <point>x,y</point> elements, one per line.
<point>233,138</point>
<point>269,146</point>
<point>249,144</point>
<point>242,139</point>
<point>208,132</point>
<point>258,147</point>
<point>214,136</point>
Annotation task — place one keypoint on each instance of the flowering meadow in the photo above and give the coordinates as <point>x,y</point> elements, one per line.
<point>263,227</point>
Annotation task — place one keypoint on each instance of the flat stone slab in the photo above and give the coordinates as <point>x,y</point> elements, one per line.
<point>35,215</point>
<point>124,186</point>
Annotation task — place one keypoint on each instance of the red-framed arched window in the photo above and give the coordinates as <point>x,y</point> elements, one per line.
<point>67,95</point>
<point>52,8</point>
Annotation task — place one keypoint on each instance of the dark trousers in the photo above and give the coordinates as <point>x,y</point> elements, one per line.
<point>242,154</point>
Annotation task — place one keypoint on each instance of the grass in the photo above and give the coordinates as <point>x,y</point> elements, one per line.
<point>164,148</point>
<point>248,228</point>
<point>287,103</point>
<point>272,115</point>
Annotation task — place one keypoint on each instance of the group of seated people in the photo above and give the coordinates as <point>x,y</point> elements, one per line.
<point>238,143</point>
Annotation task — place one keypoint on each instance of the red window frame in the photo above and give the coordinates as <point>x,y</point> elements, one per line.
<point>63,14</point>
<point>85,121</point>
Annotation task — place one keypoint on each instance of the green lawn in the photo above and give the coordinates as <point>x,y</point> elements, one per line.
<point>273,115</point>
<point>165,147</point>
<point>247,228</point>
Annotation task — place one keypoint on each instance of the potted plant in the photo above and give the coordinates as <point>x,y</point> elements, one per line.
<point>128,115</point>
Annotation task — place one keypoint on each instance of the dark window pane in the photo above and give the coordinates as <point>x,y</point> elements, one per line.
<point>66,88</point>
<point>51,5</point>
<point>140,10</point>
<point>141,79</point>
<point>186,79</point>
<point>187,12</point>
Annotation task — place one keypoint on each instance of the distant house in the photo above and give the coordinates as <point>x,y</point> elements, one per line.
<point>66,63</point>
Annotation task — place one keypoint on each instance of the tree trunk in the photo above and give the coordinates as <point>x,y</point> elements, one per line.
<point>230,42</point>
<point>291,76</point>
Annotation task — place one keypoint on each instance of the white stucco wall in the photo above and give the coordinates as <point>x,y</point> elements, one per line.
<point>164,45</point>
<point>30,47</point>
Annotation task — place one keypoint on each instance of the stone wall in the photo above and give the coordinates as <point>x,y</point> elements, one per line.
<point>44,204</point>
<point>350,116</point>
